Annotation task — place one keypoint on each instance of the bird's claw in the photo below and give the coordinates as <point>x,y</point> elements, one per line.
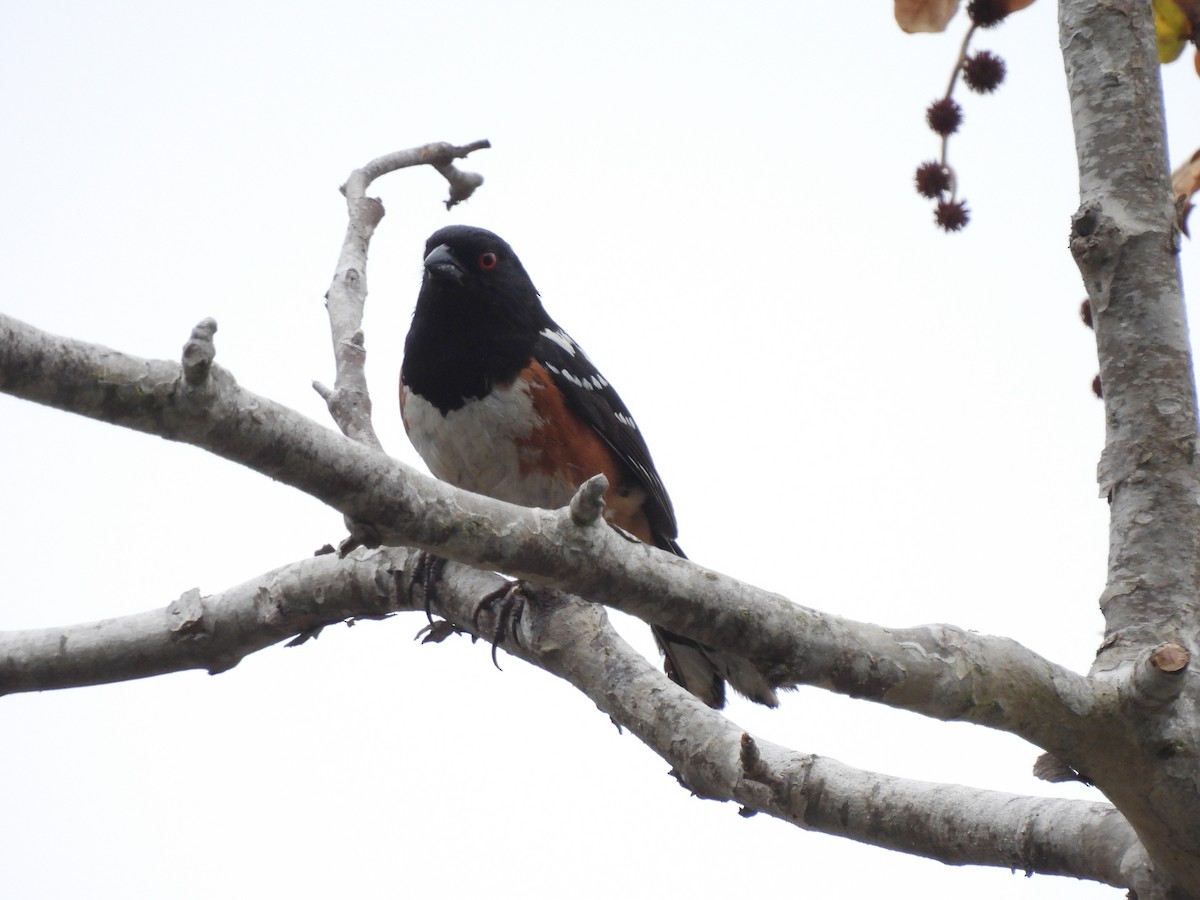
<point>436,632</point>
<point>511,602</point>
<point>426,572</point>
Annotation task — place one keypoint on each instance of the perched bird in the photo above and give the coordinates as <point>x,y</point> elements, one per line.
<point>499,400</point>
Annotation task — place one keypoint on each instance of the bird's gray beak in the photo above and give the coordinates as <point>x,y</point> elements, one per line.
<point>441,263</point>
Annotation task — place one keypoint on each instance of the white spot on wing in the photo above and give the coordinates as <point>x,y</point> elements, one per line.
<point>594,382</point>
<point>561,338</point>
<point>571,377</point>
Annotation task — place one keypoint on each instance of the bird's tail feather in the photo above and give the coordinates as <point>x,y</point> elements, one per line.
<point>703,671</point>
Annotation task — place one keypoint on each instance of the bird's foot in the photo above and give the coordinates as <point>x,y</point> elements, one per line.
<point>426,572</point>
<point>436,632</point>
<point>509,602</point>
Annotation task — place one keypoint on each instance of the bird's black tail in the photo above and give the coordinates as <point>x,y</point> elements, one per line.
<point>702,670</point>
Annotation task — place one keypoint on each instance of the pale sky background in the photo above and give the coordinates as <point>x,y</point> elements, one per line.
<point>847,405</point>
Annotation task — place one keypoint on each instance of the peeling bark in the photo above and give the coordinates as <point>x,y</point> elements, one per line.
<point>1125,241</point>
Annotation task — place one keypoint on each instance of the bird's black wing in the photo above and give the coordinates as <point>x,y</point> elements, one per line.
<point>593,399</point>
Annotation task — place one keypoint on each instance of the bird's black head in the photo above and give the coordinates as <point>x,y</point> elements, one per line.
<point>475,267</point>
<point>477,317</point>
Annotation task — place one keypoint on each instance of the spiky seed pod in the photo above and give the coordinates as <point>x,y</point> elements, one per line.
<point>944,116</point>
<point>986,13</point>
<point>932,179</point>
<point>952,216</point>
<point>983,71</point>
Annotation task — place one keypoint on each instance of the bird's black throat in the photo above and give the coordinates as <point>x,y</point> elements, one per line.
<point>458,349</point>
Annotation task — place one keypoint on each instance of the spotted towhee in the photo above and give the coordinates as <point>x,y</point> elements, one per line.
<point>499,400</point>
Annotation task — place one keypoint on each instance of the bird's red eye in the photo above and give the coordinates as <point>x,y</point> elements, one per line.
<point>487,260</point>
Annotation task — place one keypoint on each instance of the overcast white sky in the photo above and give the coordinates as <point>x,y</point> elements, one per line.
<point>848,407</point>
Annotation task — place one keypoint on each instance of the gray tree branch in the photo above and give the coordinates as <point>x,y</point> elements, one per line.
<point>349,401</point>
<point>939,671</point>
<point>572,639</point>
<point>1125,241</point>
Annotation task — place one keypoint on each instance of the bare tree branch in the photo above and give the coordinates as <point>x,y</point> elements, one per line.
<point>717,759</point>
<point>439,155</point>
<point>1125,241</point>
<point>349,401</point>
<point>193,632</point>
<point>216,632</point>
<point>938,671</point>
<point>714,757</point>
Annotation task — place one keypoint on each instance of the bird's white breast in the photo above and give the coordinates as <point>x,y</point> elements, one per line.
<point>483,446</point>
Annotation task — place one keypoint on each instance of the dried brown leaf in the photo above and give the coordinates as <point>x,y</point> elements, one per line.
<point>1185,182</point>
<point>925,16</point>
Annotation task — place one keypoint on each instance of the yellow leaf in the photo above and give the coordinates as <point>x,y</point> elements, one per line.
<point>924,15</point>
<point>1172,27</point>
